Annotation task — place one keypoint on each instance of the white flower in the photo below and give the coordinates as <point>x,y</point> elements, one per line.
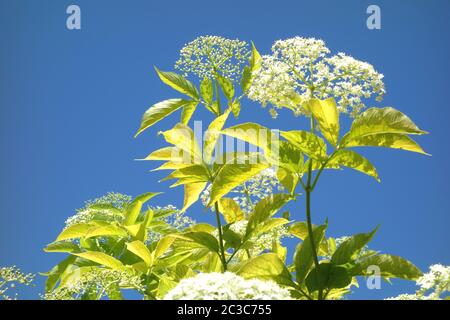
<point>9,277</point>
<point>207,55</point>
<point>433,285</point>
<point>300,69</point>
<point>98,283</point>
<point>226,286</point>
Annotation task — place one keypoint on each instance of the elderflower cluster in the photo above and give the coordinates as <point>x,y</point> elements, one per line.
<point>9,278</point>
<point>433,285</point>
<point>207,55</point>
<point>253,190</point>
<point>259,243</point>
<point>226,286</point>
<point>176,220</point>
<point>300,69</point>
<point>97,209</point>
<point>96,284</point>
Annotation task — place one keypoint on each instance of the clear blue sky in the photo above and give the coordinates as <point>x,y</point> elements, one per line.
<point>70,102</point>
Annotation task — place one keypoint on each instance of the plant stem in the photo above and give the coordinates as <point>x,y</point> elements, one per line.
<point>218,96</point>
<point>308,191</point>
<point>219,228</point>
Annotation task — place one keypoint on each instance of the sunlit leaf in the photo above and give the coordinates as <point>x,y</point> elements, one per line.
<point>134,208</point>
<point>307,142</point>
<point>159,111</point>
<point>351,246</point>
<point>141,250</point>
<point>101,258</point>
<point>351,159</point>
<point>178,83</point>
<point>327,116</point>
<point>230,210</point>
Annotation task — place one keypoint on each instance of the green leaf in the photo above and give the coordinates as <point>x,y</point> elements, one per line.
<point>255,59</point>
<point>101,258</point>
<point>329,276</point>
<point>327,116</point>
<point>230,210</point>
<point>351,247</point>
<point>163,245</point>
<point>300,230</point>
<point>307,142</point>
<point>141,250</point>
<point>252,133</point>
<point>246,79</point>
<point>187,112</point>
<point>190,174</point>
<point>230,176</point>
<point>265,209</point>
<point>227,87</point>
<point>74,231</point>
<point>303,258</point>
<point>54,275</point>
<point>207,90</point>
<point>192,192</point>
<point>159,111</point>
<point>386,140</point>
<point>134,208</point>
<point>184,138</point>
<point>288,157</point>
<point>212,134</point>
<point>267,266</point>
<point>267,226</point>
<point>351,159</point>
<point>287,179</point>
<point>236,108</point>
<point>390,267</point>
<point>142,231</point>
<point>202,238</point>
<point>178,83</point>
<point>106,230</point>
<point>384,127</point>
<point>62,246</point>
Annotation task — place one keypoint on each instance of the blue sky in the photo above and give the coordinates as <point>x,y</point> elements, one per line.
<point>70,102</point>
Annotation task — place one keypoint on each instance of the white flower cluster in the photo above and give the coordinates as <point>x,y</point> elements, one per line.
<point>207,55</point>
<point>226,286</point>
<point>98,283</point>
<point>253,190</point>
<point>433,285</point>
<point>301,68</point>
<point>176,220</point>
<point>9,277</point>
<point>93,209</point>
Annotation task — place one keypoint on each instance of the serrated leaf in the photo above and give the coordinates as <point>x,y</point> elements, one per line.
<point>307,142</point>
<point>230,210</point>
<point>134,208</point>
<point>192,192</point>
<point>101,258</point>
<point>232,175</point>
<point>265,209</point>
<point>187,112</point>
<point>267,266</point>
<point>390,267</point>
<point>207,90</point>
<point>327,116</point>
<point>184,139</point>
<point>351,246</point>
<point>159,111</point>
<point>329,276</point>
<point>303,258</point>
<point>227,87</point>
<point>351,159</point>
<point>178,83</point>
<point>141,250</point>
<point>386,140</point>
<point>62,246</point>
<point>212,135</point>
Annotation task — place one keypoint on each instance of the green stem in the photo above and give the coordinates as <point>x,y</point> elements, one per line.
<point>219,228</point>
<point>308,191</point>
<point>218,96</point>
